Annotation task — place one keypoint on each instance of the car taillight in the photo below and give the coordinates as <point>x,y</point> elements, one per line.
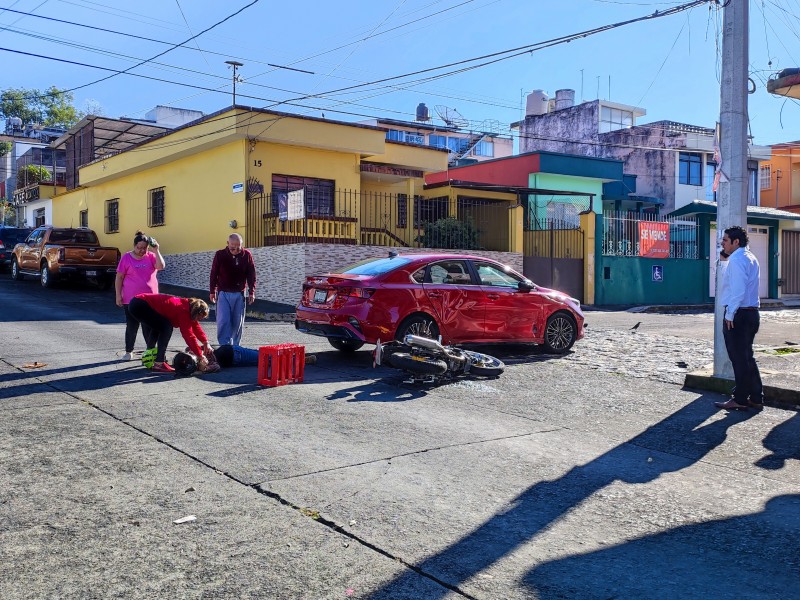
<point>343,293</point>
<point>61,255</point>
<point>355,292</point>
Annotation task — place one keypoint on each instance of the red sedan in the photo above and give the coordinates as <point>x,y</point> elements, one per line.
<point>465,299</point>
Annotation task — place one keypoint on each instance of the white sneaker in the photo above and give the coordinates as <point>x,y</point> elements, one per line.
<point>127,356</point>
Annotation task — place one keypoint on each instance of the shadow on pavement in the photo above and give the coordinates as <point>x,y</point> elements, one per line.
<point>684,435</point>
<point>782,442</point>
<point>682,563</point>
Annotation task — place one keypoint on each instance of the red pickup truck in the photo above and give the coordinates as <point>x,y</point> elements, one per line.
<point>53,253</point>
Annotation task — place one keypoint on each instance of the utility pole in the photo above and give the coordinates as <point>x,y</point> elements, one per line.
<point>733,185</point>
<point>235,65</point>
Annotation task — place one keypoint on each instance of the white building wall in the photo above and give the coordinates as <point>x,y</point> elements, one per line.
<point>30,209</point>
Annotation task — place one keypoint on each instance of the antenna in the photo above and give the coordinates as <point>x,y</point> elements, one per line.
<point>451,117</point>
<point>235,64</point>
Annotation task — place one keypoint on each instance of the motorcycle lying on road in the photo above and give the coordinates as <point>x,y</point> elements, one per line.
<point>428,361</point>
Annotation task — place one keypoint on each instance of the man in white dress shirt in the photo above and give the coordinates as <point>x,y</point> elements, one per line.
<point>740,298</point>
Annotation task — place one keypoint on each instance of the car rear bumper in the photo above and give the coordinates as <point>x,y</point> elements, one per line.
<point>342,331</point>
<point>88,272</point>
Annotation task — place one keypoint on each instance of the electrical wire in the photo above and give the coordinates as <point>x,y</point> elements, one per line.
<point>173,47</point>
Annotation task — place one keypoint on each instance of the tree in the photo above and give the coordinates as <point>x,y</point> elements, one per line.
<point>7,214</point>
<point>51,107</point>
<point>5,148</point>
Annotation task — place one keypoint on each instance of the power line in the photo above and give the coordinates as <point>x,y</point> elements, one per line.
<point>173,47</point>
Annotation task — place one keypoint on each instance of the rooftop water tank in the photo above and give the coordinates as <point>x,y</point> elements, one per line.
<point>536,103</point>
<point>422,112</point>
<point>565,99</point>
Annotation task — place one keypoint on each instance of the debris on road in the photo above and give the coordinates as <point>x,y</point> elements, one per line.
<point>186,519</point>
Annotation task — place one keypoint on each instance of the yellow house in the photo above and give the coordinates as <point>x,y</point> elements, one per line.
<point>273,177</point>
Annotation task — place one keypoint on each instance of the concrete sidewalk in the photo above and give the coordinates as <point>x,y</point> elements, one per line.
<point>780,372</point>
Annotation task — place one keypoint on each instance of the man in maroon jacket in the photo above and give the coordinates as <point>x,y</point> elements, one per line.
<point>232,273</point>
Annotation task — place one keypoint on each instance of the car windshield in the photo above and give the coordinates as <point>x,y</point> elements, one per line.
<point>376,266</point>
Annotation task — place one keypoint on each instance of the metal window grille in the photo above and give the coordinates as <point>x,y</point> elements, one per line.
<point>83,218</point>
<point>621,234</point>
<point>319,193</point>
<point>111,217</point>
<point>155,207</point>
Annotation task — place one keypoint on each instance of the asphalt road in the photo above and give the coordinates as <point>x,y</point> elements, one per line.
<point>556,480</point>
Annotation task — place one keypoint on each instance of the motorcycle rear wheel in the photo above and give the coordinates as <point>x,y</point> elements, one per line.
<point>419,365</point>
<point>484,365</point>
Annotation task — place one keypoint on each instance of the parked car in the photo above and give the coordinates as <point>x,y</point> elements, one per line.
<point>10,237</point>
<point>53,253</point>
<point>465,299</point>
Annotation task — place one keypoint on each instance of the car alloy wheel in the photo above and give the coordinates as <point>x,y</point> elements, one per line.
<point>15,274</point>
<point>46,279</point>
<point>560,333</point>
<point>420,325</point>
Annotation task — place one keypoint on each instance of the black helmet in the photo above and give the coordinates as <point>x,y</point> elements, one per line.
<point>185,364</point>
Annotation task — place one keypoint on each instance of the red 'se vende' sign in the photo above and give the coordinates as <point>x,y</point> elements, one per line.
<point>653,239</point>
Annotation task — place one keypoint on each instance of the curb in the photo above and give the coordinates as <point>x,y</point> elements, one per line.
<point>777,397</point>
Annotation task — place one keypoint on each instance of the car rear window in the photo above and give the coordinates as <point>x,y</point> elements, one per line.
<point>73,236</point>
<point>376,266</point>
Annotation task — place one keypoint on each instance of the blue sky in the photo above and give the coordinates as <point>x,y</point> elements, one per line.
<point>669,66</point>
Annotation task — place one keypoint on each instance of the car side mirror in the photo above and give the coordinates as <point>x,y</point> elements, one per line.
<point>526,286</point>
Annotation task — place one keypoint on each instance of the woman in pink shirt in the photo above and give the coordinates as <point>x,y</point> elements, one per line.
<point>136,274</point>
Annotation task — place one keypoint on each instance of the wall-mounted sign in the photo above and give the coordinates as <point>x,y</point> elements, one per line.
<point>389,170</point>
<point>27,194</point>
<point>238,187</point>
<point>291,205</point>
<point>658,273</point>
<point>653,239</point>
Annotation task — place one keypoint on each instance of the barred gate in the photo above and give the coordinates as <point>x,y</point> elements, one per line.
<point>553,257</point>
<point>790,262</point>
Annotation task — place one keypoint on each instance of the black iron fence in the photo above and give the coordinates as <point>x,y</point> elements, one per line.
<point>375,218</point>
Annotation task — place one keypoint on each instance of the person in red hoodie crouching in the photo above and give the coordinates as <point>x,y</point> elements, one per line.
<point>161,313</point>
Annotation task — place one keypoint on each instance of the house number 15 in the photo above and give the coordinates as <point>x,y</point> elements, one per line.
<point>256,163</point>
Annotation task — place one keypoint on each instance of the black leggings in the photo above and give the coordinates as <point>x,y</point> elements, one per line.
<point>159,325</point>
<point>132,328</point>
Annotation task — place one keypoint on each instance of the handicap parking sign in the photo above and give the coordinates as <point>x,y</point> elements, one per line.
<point>658,273</point>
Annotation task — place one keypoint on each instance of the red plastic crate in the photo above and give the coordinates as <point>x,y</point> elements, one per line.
<point>281,364</point>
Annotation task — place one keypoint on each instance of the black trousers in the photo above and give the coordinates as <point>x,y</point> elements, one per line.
<point>160,326</point>
<point>132,328</point>
<point>739,344</point>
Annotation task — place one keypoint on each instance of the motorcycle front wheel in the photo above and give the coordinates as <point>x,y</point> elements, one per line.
<point>419,365</point>
<point>484,365</point>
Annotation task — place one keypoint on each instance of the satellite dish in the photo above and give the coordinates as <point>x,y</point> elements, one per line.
<point>451,117</point>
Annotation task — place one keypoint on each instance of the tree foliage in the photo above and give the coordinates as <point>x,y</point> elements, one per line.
<point>450,233</point>
<point>30,174</point>
<point>51,107</point>
<point>5,148</point>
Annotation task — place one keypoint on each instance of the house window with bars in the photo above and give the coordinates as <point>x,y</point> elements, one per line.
<point>765,179</point>
<point>83,218</point>
<point>318,197</point>
<point>38,217</point>
<point>155,207</point>
<point>112,216</point>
